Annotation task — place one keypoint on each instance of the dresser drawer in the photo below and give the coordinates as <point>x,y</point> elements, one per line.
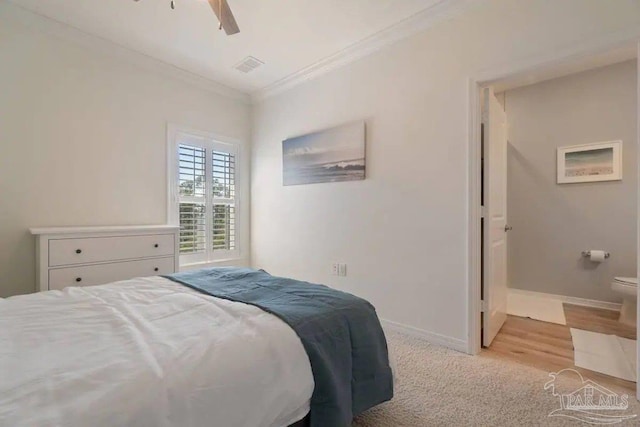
<point>99,249</point>
<point>60,278</point>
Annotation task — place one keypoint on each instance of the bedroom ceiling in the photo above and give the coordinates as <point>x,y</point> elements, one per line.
<point>287,35</point>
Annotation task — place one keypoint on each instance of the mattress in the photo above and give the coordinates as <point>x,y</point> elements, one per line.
<point>147,352</point>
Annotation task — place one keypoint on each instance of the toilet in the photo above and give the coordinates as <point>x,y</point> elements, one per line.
<point>628,288</point>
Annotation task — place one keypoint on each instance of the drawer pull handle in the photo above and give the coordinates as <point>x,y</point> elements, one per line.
<point>78,251</point>
<point>155,269</point>
<point>156,245</point>
<point>78,279</point>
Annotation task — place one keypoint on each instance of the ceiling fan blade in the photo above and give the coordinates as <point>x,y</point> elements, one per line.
<point>225,16</point>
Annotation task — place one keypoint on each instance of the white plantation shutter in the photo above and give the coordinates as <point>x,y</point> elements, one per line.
<point>224,227</point>
<point>193,204</point>
<point>224,193</point>
<point>206,205</point>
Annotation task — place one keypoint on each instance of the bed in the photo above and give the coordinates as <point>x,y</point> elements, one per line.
<point>158,351</point>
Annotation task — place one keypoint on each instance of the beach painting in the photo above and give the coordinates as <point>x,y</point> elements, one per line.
<point>589,163</point>
<point>332,155</point>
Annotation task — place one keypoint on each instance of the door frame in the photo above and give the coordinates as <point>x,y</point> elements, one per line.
<point>557,60</point>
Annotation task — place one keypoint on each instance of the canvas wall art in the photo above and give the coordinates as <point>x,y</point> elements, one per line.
<point>332,155</point>
<point>601,161</point>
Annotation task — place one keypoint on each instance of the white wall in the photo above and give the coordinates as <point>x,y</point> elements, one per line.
<point>403,231</point>
<point>554,222</point>
<point>83,141</point>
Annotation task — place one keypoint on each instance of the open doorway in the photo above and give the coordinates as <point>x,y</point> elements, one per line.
<point>558,224</point>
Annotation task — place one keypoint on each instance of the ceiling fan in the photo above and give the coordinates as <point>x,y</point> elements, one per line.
<point>223,12</point>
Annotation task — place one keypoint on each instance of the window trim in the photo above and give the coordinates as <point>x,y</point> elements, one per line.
<point>211,141</point>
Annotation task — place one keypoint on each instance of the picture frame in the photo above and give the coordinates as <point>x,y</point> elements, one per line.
<point>601,161</point>
<point>330,155</point>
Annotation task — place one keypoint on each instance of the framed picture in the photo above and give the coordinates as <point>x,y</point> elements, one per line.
<point>601,161</point>
<point>331,155</point>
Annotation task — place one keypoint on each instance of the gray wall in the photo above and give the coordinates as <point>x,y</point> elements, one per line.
<point>554,223</point>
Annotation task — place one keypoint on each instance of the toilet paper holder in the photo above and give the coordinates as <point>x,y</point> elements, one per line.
<point>587,254</point>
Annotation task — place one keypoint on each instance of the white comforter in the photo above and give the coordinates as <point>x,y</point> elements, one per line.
<point>147,352</point>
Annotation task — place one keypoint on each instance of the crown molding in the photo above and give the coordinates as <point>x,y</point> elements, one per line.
<point>421,21</point>
<point>15,13</point>
<point>437,12</point>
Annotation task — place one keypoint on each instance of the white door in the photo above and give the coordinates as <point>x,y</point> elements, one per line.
<point>495,228</point>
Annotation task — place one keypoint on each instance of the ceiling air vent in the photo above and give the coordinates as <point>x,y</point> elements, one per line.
<point>248,64</point>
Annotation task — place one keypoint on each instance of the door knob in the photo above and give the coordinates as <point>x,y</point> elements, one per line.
<point>507,228</point>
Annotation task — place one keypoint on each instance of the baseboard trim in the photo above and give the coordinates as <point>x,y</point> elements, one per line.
<point>431,337</point>
<point>571,300</point>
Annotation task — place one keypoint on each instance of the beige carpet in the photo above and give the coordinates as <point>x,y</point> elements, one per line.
<point>436,386</point>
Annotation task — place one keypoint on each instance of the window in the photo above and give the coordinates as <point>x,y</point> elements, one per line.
<point>203,188</point>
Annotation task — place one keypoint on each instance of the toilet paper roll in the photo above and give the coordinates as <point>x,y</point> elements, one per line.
<point>597,256</point>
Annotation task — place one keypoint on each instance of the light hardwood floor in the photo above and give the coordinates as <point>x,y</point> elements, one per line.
<point>548,346</point>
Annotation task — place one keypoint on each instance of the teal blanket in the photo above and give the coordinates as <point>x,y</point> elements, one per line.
<point>341,334</point>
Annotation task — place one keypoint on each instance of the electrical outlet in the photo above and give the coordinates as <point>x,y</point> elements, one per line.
<point>335,269</point>
<point>342,269</point>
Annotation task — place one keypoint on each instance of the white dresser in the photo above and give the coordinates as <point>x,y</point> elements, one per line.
<point>85,256</point>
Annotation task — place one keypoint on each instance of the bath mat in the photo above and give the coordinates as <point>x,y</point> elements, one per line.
<point>535,307</point>
<point>607,354</point>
